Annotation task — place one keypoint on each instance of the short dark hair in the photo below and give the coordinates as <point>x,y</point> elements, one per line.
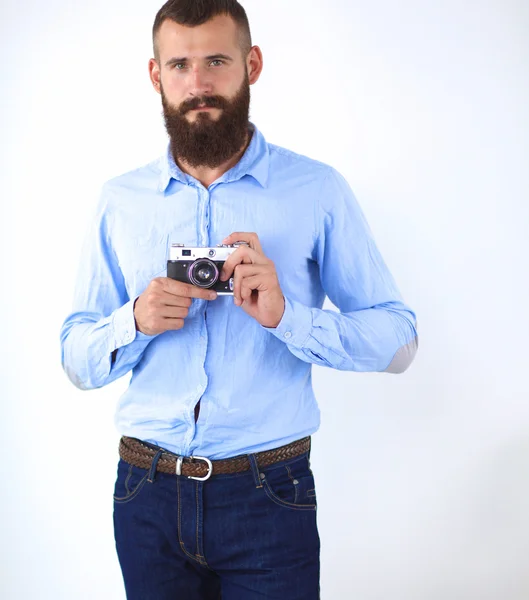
<point>197,12</point>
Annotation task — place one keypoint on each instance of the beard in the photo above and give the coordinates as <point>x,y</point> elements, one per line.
<point>207,142</point>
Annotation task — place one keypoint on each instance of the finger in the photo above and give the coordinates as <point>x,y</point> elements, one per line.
<point>242,255</point>
<point>249,284</point>
<point>242,272</point>
<point>172,300</point>
<point>187,290</point>
<point>243,236</point>
<point>172,324</point>
<point>174,312</point>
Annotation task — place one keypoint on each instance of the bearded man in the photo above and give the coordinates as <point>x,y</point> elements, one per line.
<point>214,495</point>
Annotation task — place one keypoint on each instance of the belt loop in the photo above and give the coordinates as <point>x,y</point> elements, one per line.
<point>255,470</point>
<point>152,471</point>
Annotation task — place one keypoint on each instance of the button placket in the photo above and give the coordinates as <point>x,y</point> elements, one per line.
<point>207,200</point>
<point>204,197</point>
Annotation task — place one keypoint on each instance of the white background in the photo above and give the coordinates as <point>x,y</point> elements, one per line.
<point>423,477</point>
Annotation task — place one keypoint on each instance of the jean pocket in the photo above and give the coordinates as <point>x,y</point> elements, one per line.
<point>129,482</point>
<point>290,484</point>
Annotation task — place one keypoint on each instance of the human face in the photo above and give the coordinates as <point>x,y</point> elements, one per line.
<point>199,62</point>
<point>204,81</point>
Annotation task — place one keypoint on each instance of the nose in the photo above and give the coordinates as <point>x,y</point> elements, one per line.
<point>200,82</point>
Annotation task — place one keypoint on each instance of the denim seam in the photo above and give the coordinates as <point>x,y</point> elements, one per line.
<point>293,483</point>
<point>132,495</point>
<point>285,503</point>
<point>312,492</point>
<point>127,480</point>
<point>196,498</point>
<point>255,471</point>
<point>197,558</point>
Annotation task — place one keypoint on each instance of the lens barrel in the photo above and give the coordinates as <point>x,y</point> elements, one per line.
<point>203,273</point>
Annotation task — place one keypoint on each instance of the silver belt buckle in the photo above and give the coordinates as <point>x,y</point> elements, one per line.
<point>180,460</point>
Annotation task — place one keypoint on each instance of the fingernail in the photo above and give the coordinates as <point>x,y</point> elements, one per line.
<point>212,295</point>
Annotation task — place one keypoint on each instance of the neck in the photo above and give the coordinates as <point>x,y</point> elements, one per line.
<point>206,175</point>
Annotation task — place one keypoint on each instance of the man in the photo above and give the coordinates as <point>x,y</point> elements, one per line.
<point>214,491</point>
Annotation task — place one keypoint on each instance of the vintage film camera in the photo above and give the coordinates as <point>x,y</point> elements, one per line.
<point>201,266</point>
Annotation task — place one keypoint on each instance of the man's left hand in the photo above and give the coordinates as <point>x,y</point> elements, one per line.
<point>255,284</point>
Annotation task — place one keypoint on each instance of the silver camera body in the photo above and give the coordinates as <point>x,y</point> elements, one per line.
<point>201,266</point>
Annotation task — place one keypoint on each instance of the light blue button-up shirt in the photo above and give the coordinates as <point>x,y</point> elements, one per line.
<point>254,383</point>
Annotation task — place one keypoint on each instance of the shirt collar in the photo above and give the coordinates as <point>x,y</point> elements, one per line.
<point>254,162</point>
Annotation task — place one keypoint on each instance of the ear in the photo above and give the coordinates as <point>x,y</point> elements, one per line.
<point>155,74</point>
<point>254,64</point>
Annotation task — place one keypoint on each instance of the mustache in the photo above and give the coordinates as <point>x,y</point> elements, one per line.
<point>209,101</point>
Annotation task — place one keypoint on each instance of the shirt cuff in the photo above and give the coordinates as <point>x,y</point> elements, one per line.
<point>124,326</point>
<point>295,325</point>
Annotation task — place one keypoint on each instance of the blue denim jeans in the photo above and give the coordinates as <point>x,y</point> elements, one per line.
<point>243,536</point>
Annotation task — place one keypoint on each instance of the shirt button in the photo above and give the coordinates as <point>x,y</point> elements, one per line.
<point>288,334</point>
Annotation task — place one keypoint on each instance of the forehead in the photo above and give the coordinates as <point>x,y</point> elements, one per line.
<point>216,35</point>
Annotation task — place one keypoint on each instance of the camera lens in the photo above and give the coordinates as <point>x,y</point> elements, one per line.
<point>203,273</point>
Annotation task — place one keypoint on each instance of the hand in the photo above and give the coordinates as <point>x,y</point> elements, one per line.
<point>165,303</point>
<point>255,284</point>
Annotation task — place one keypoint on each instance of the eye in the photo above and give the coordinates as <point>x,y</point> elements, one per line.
<point>177,65</point>
<point>217,60</point>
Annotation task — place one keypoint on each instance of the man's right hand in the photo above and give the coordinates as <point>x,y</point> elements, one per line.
<point>165,303</point>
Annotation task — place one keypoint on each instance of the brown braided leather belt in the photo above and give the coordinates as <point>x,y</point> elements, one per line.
<point>140,455</point>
